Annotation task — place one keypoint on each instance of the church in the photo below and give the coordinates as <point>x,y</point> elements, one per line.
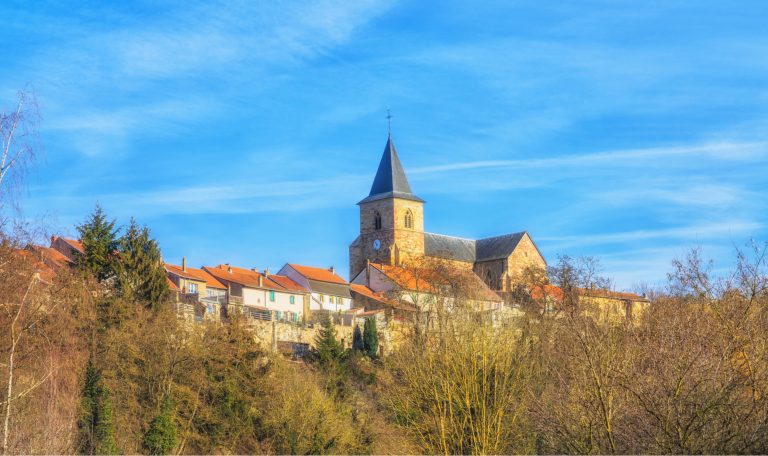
<point>392,231</point>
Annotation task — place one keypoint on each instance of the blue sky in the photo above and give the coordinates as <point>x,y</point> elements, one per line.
<point>245,132</point>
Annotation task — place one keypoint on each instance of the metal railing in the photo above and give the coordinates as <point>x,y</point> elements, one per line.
<point>218,299</point>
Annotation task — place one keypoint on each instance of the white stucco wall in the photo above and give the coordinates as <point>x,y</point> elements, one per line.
<point>260,298</point>
<point>315,304</point>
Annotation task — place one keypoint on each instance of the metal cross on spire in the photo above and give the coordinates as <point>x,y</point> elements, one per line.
<point>389,122</point>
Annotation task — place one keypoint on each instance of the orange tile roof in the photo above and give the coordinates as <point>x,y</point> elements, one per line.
<point>380,297</point>
<point>287,283</point>
<point>77,245</point>
<point>45,272</point>
<point>595,292</point>
<point>320,274</point>
<point>250,278</point>
<point>50,255</point>
<point>557,293</point>
<point>547,291</point>
<point>171,285</point>
<point>198,275</point>
<point>428,281</point>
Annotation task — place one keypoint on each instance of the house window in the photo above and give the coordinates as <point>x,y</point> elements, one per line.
<point>322,298</point>
<point>409,219</point>
<point>292,299</point>
<point>192,288</point>
<point>271,296</point>
<point>377,220</point>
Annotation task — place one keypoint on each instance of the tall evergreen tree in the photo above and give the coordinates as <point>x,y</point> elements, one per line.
<point>327,346</point>
<point>371,338</point>
<point>139,269</point>
<point>161,435</point>
<point>99,238</point>
<point>97,434</point>
<point>357,339</point>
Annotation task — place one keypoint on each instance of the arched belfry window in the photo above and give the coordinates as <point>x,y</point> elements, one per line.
<point>409,219</point>
<point>377,220</point>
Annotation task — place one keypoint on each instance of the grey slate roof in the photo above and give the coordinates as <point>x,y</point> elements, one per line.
<point>497,247</point>
<point>390,180</point>
<point>328,288</point>
<point>453,248</point>
<point>449,247</point>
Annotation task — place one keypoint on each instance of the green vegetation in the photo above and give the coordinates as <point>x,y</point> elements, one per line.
<point>138,266</point>
<point>161,435</point>
<point>371,338</point>
<point>357,339</point>
<point>328,349</point>
<point>99,238</point>
<point>97,432</point>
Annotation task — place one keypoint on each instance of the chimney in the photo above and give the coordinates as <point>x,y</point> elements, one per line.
<point>261,281</point>
<point>332,269</point>
<point>266,272</point>
<point>53,238</point>
<point>229,268</point>
<point>184,264</point>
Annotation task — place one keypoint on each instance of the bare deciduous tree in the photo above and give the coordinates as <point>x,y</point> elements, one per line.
<point>18,139</point>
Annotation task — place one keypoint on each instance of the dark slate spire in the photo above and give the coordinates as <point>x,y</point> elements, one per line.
<point>390,180</point>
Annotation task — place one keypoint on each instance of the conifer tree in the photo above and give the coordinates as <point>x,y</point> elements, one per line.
<point>327,346</point>
<point>371,338</point>
<point>161,435</point>
<point>99,238</point>
<point>357,339</point>
<point>140,273</point>
<point>97,434</point>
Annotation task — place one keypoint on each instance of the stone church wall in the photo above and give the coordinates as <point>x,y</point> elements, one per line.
<point>525,255</point>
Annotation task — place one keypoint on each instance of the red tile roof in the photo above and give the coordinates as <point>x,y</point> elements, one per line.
<point>51,256</point>
<point>45,271</point>
<point>595,292</point>
<point>77,245</point>
<point>287,283</point>
<point>320,274</point>
<point>171,285</point>
<point>428,281</point>
<point>195,274</point>
<point>250,278</point>
<point>555,292</point>
<point>547,291</point>
<point>380,297</point>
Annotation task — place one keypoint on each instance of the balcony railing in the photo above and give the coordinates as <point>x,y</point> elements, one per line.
<point>260,314</point>
<point>219,299</point>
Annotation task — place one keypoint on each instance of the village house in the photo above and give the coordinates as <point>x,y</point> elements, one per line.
<point>602,305</point>
<point>192,286</point>
<point>422,288</point>
<point>47,262</point>
<point>328,291</point>
<point>261,295</point>
<point>369,300</point>
<point>70,248</point>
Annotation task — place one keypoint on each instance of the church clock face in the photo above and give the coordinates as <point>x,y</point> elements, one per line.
<point>376,244</point>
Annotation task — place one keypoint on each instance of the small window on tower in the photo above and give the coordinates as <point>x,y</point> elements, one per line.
<point>377,220</point>
<point>409,219</point>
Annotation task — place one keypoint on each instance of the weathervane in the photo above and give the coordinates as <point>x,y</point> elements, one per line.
<point>389,122</point>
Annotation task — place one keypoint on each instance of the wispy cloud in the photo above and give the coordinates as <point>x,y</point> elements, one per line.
<point>690,233</point>
<point>726,151</point>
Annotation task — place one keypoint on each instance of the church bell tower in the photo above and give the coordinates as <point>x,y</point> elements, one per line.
<point>391,218</point>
